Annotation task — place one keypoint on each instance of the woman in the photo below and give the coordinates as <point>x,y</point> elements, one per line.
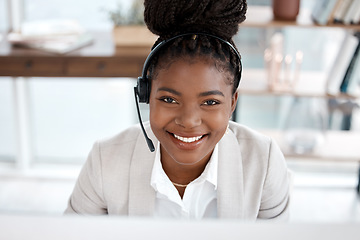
<point>204,165</point>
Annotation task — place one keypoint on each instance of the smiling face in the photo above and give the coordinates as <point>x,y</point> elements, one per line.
<point>190,106</point>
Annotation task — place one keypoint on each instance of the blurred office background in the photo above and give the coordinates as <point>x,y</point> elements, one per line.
<point>66,115</point>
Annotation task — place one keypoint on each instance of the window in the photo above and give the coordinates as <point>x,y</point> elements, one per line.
<point>69,115</point>
<point>65,115</point>
<point>7,121</point>
<point>4,25</point>
<point>91,14</point>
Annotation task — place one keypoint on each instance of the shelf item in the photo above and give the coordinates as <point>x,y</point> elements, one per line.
<point>323,11</point>
<point>341,64</point>
<point>262,16</point>
<point>349,16</point>
<point>130,36</point>
<point>352,77</point>
<point>286,10</point>
<point>53,36</point>
<point>341,9</point>
<point>353,87</point>
<point>57,45</point>
<point>305,124</point>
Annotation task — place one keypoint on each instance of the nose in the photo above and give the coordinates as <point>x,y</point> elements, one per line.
<point>188,117</point>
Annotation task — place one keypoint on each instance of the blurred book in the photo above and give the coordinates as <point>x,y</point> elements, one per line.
<point>349,17</point>
<point>353,88</point>
<point>323,10</point>
<point>55,36</point>
<point>351,74</point>
<point>341,11</point>
<point>336,11</point>
<point>356,19</point>
<point>341,64</point>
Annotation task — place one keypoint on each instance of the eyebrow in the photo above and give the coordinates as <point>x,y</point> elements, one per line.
<point>169,90</point>
<point>203,94</point>
<point>209,93</point>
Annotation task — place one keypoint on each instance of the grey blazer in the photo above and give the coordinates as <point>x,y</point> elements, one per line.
<point>253,181</point>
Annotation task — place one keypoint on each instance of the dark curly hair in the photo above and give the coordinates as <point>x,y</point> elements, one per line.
<point>169,18</point>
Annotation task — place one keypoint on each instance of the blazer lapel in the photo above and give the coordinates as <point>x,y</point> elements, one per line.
<point>141,194</point>
<point>230,191</point>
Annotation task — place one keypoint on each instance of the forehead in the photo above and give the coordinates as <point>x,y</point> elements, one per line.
<point>193,74</point>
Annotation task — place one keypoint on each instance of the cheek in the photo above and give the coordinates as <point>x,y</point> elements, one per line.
<point>159,116</point>
<point>217,120</point>
<point>224,113</point>
<point>154,114</point>
<point>222,117</point>
<point>155,121</point>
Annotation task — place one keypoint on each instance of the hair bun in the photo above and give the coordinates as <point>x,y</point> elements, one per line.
<point>168,18</point>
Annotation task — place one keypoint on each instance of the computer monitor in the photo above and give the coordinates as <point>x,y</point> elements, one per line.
<point>27,227</point>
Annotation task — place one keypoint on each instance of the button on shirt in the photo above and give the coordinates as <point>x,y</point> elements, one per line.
<point>199,199</point>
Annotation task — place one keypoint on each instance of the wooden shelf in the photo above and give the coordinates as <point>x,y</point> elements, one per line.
<point>310,84</point>
<point>100,59</point>
<point>259,16</point>
<point>339,146</point>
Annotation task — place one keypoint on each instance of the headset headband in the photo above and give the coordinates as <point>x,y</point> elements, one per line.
<point>143,85</point>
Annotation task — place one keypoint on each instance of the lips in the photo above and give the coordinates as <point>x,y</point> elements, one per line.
<point>188,142</point>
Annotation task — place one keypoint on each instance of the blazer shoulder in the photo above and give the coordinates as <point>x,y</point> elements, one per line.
<point>124,137</point>
<point>242,133</point>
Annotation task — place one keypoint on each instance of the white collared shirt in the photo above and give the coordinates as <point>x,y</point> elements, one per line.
<point>199,200</point>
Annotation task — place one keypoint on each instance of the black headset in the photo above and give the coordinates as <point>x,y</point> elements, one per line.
<point>143,87</point>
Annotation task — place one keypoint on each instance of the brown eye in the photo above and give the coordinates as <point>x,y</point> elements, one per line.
<point>211,102</point>
<point>168,100</point>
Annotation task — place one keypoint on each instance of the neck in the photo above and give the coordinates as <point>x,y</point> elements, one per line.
<point>179,173</point>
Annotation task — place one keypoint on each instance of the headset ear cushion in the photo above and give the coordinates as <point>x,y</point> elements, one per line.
<point>143,90</point>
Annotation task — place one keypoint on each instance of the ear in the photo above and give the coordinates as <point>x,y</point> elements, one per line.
<point>234,102</point>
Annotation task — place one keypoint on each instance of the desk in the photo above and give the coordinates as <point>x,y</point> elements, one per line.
<point>100,59</point>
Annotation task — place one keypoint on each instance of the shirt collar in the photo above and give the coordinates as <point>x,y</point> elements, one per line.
<point>159,177</point>
<point>210,171</point>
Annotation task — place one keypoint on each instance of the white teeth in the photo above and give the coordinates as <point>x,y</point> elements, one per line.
<point>187,140</point>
